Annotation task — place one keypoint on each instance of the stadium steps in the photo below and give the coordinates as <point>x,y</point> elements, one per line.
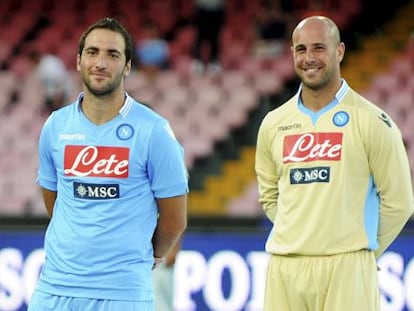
<point>379,50</point>
<point>401,26</point>
<point>219,189</point>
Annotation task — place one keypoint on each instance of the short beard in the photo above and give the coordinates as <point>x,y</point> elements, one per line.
<point>105,91</point>
<point>101,92</point>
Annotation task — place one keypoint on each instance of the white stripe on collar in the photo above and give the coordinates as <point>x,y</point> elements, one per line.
<point>126,107</point>
<point>339,95</point>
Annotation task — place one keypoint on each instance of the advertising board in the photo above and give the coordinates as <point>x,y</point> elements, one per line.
<point>222,271</point>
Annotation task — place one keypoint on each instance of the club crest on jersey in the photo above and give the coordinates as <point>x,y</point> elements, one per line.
<point>310,175</point>
<point>95,191</point>
<point>124,131</point>
<point>341,118</point>
<point>310,147</point>
<point>96,161</point>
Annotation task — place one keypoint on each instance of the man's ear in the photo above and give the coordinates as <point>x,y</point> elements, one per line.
<point>127,69</point>
<point>341,51</point>
<point>78,62</point>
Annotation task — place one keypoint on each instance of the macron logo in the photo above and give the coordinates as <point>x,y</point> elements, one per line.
<point>77,136</point>
<point>310,147</point>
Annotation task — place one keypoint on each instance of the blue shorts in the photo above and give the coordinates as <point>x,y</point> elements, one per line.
<point>41,301</point>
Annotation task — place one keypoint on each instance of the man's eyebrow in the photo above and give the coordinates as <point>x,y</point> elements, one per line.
<point>114,51</point>
<point>317,44</point>
<point>299,46</point>
<point>108,50</point>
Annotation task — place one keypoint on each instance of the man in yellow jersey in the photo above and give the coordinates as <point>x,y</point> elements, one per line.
<point>334,179</point>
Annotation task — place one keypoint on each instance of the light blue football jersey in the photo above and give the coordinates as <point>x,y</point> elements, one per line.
<point>98,243</point>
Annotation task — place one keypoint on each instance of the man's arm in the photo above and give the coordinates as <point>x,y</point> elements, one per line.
<point>49,198</point>
<point>172,221</point>
<point>173,252</point>
<point>390,167</point>
<point>266,175</point>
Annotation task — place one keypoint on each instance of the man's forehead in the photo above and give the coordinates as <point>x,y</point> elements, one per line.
<point>311,35</point>
<point>104,38</point>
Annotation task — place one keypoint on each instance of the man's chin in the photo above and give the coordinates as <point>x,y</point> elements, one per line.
<point>103,91</point>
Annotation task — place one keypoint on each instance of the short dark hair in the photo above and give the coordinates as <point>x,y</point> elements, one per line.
<point>110,24</point>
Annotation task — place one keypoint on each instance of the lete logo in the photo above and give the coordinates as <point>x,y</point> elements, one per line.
<point>312,147</point>
<point>96,161</point>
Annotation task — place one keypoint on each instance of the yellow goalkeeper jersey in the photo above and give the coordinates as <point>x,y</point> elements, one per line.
<point>333,181</point>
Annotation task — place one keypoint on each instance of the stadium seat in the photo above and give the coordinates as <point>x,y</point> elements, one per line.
<point>231,80</point>
<point>267,82</point>
<point>168,79</point>
<point>195,147</point>
<point>247,204</point>
<point>207,122</point>
<point>21,66</point>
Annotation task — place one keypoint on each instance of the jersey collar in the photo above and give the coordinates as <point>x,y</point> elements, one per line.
<point>126,107</point>
<point>338,96</point>
<point>314,115</point>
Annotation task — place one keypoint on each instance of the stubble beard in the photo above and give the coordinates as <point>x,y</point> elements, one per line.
<point>317,83</point>
<point>104,90</point>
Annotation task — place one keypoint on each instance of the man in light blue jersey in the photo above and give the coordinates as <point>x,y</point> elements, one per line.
<point>334,180</point>
<point>115,187</point>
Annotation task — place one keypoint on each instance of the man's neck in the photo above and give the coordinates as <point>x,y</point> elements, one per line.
<point>100,110</point>
<point>316,100</point>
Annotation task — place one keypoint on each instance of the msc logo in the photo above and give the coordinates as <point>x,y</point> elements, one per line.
<point>310,175</point>
<point>95,191</point>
